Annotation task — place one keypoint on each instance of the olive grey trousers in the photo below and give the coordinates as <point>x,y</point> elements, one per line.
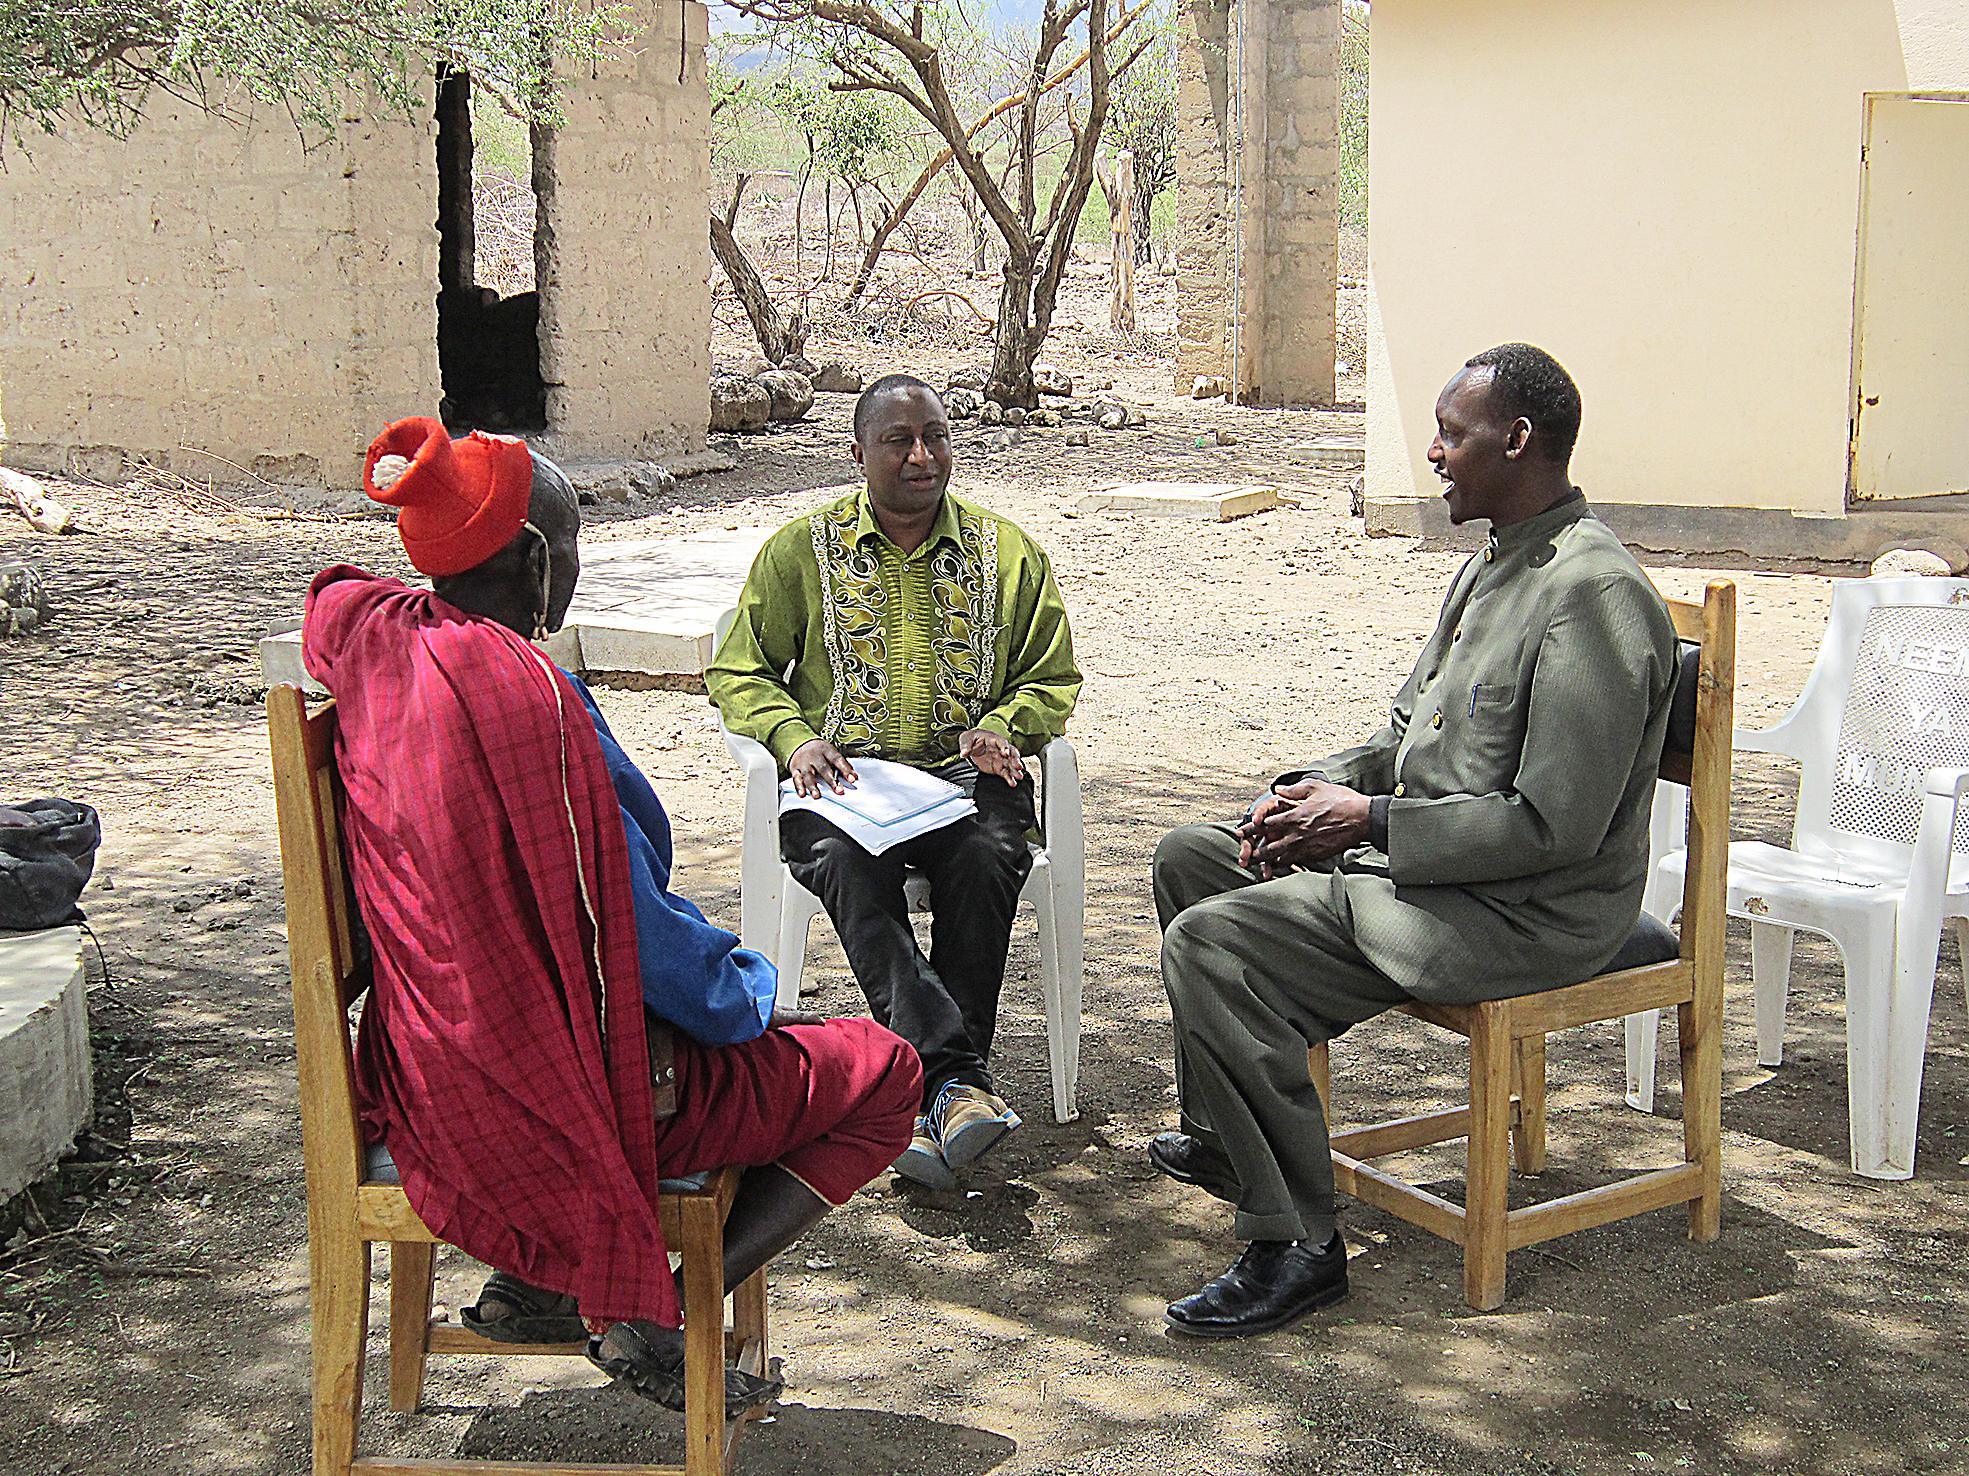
<point>1257,972</point>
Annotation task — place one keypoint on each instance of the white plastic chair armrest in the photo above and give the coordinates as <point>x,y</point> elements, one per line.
<point>759,858</point>
<point>1060,814</point>
<point>761,771</point>
<point>1948,784</point>
<point>1928,868</point>
<point>1779,738</point>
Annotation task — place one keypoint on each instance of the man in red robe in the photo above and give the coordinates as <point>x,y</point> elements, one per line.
<point>529,1097</point>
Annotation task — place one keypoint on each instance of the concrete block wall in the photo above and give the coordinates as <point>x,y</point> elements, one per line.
<point>624,259</point>
<point>227,300</point>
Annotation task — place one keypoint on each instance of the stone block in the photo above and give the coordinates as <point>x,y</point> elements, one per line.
<point>280,663</point>
<point>46,1092</point>
<point>1212,502</point>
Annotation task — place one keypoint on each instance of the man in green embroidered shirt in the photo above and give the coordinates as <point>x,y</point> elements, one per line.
<point>903,623</point>
<point>1491,840</point>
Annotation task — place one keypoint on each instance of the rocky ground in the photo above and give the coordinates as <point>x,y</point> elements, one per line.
<point>153,1300</point>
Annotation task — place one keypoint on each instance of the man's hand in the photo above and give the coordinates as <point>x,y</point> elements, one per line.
<point>993,753</point>
<point>1249,836</point>
<point>782,1018</point>
<point>1318,821</point>
<point>817,762</point>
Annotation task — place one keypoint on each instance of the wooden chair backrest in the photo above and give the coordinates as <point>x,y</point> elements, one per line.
<point>1705,769</point>
<point>320,944</point>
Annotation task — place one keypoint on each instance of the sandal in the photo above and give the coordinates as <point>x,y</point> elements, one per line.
<point>657,1374</point>
<point>512,1311</point>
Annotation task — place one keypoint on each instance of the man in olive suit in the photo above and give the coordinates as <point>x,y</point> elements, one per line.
<point>1489,841</point>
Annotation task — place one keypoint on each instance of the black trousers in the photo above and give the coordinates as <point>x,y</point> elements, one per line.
<point>946,1005</point>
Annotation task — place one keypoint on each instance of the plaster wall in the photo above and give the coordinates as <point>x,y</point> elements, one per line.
<point>219,299</point>
<point>232,301</point>
<point>624,263</point>
<point>1666,197</point>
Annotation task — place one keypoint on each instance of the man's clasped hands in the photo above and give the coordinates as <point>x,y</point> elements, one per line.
<point>1300,824</point>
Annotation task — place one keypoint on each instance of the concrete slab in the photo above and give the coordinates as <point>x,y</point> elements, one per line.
<point>1348,453</point>
<point>46,1091</point>
<point>1214,502</point>
<point>643,608</point>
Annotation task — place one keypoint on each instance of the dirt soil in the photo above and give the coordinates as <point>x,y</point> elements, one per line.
<point>153,1298</point>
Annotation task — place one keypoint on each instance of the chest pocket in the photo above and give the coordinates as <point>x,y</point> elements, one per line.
<point>1486,738</point>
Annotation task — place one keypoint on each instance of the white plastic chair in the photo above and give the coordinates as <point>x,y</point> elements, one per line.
<point>776,912</point>
<point>1879,855</point>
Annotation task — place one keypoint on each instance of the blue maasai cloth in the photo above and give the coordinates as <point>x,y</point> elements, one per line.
<point>694,974</point>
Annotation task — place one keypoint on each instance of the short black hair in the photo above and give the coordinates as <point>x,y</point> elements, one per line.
<point>888,384</point>
<point>1529,382</point>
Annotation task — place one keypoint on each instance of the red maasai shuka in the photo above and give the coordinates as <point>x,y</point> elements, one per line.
<point>470,768</point>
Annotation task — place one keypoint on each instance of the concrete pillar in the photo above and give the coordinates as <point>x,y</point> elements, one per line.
<point>1257,160</point>
<point>1205,221</point>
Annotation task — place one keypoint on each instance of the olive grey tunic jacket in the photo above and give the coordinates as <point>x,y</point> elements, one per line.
<point>1515,776</point>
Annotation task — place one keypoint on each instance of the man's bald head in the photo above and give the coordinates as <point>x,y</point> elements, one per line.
<point>531,580</point>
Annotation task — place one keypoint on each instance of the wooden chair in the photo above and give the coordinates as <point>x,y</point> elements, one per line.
<point>1507,1038</point>
<point>348,1210</point>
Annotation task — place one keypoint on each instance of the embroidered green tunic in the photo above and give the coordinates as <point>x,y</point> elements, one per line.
<point>841,635</point>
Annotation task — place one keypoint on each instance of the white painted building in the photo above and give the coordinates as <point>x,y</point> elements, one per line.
<point>1743,225</point>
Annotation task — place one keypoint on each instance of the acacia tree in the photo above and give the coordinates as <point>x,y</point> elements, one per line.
<point>1012,98</point>
<point>98,62</point>
<point>894,47</point>
<point>1142,119</point>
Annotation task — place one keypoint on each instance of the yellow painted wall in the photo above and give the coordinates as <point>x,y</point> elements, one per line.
<point>1666,196</point>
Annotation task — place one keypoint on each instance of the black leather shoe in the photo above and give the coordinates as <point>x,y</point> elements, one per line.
<point>1272,1285</point>
<point>1188,1161</point>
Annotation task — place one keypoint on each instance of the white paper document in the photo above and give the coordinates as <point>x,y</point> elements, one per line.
<point>888,804</point>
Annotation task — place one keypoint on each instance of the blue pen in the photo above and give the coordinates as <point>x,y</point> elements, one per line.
<point>1473,700</point>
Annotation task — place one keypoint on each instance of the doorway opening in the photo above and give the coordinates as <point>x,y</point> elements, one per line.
<point>488,246</point>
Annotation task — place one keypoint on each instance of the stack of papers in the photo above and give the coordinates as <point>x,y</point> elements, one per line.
<point>888,804</point>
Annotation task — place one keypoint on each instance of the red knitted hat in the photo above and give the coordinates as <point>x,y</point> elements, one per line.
<point>459,502</point>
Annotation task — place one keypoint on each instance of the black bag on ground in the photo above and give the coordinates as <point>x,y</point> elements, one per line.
<point>47,850</point>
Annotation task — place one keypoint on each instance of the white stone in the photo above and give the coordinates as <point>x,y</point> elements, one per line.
<point>1903,563</point>
<point>1214,502</point>
<point>45,1088</point>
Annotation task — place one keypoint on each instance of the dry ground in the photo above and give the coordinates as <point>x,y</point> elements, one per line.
<point>156,1317</point>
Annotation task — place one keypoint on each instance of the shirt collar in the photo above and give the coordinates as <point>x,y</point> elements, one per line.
<point>945,527</point>
<point>1561,514</point>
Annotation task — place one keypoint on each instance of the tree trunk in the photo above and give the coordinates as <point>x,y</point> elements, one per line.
<point>827,214</point>
<point>752,294</point>
<point>1145,193</point>
<point>1121,239</point>
<point>1020,331</point>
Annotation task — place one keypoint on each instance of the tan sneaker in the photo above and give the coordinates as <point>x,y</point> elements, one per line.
<point>968,1122</point>
<point>922,1162</point>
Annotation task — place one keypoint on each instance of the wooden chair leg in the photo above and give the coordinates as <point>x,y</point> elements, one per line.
<point>749,1322</point>
<point>1528,1137</point>
<point>413,1269</point>
<point>1487,1176</point>
<point>1320,1063</point>
<point>339,1270</point>
<point>1702,1113</point>
<point>703,1248</point>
